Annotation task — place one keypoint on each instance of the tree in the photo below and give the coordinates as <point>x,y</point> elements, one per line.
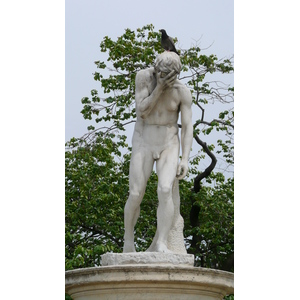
<point>97,164</point>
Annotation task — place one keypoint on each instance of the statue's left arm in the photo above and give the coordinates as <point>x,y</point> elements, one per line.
<point>186,132</point>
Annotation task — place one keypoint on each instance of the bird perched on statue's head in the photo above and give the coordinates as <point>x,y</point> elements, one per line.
<point>167,42</point>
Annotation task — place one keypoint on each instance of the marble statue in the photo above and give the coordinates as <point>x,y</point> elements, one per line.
<point>160,97</point>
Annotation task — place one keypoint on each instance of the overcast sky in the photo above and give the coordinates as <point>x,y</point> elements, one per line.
<point>87,22</point>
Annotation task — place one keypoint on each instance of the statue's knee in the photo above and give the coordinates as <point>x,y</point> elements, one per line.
<point>134,199</point>
<point>135,196</point>
<point>164,192</point>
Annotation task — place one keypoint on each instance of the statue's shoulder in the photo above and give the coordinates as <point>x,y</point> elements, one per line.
<point>144,77</point>
<point>144,74</point>
<point>183,91</point>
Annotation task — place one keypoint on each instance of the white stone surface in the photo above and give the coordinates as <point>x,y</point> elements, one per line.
<point>134,258</point>
<point>175,240</point>
<point>160,97</point>
<point>144,282</point>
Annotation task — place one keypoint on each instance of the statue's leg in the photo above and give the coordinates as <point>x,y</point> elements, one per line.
<point>166,171</point>
<point>141,166</point>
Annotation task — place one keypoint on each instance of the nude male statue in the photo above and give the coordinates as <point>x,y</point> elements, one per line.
<point>159,97</point>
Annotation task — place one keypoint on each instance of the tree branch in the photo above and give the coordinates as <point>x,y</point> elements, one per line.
<point>208,170</point>
<point>216,120</point>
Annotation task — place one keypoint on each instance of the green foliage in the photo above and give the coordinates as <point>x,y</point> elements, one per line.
<point>68,297</point>
<point>95,195</point>
<point>214,229</point>
<point>96,168</point>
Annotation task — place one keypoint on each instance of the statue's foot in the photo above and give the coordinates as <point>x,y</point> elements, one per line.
<point>128,247</point>
<point>161,247</point>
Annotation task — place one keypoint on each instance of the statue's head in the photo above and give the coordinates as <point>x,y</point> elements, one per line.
<point>167,62</point>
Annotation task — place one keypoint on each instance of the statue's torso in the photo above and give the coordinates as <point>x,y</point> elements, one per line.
<point>160,128</point>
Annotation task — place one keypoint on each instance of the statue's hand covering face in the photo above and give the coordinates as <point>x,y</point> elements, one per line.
<point>167,62</point>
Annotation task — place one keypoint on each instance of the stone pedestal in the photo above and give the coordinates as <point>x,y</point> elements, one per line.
<point>147,258</point>
<point>144,279</point>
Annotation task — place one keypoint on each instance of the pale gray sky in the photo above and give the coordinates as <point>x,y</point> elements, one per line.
<point>87,22</point>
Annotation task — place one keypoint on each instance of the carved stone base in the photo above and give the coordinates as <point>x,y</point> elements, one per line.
<point>148,282</point>
<point>149,258</point>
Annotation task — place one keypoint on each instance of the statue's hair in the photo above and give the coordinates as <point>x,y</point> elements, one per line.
<point>167,62</point>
